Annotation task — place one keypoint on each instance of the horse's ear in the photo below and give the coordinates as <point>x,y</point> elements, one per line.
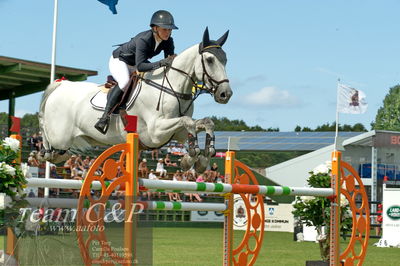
<point>222,40</point>
<point>206,38</point>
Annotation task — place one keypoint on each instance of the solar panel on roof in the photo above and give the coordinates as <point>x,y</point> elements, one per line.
<point>277,141</point>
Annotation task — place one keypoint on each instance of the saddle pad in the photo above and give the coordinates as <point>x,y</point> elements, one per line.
<point>99,100</point>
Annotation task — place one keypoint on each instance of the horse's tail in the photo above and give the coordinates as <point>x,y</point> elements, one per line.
<point>49,90</point>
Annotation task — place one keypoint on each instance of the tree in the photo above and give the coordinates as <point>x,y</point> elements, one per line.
<point>30,120</point>
<point>388,116</point>
<point>3,118</point>
<point>262,159</point>
<point>326,127</point>
<point>224,124</point>
<point>358,127</point>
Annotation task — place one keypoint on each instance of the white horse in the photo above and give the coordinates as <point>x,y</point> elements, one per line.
<point>164,107</point>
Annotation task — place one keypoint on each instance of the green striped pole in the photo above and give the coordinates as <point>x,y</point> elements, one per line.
<point>185,206</point>
<point>179,186</point>
<point>144,205</point>
<point>183,186</point>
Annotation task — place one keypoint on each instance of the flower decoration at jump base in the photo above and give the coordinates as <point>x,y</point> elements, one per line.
<point>315,211</point>
<point>12,179</point>
<point>12,182</point>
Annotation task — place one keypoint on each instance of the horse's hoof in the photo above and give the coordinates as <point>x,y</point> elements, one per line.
<point>209,152</point>
<point>47,156</point>
<point>201,164</point>
<point>212,151</point>
<point>194,152</point>
<point>187,162</point>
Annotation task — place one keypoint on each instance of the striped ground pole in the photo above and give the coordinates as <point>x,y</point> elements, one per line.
<point>179,186</point>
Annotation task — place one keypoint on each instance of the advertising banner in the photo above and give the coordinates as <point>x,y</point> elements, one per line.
<point>206,216</point>
<point>391,217</point>
<point>277,217</point>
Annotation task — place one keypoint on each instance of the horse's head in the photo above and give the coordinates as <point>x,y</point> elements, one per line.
<point>210,68</point>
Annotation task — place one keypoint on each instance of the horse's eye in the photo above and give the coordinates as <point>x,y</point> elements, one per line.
<point>210,60</point>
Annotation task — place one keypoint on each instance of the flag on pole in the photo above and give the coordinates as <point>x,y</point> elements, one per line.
<point>16,124</point>
<point>351,100</point>
<point>111,5</point>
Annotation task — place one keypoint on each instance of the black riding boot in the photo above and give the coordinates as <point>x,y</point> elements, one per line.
<point>113,99</point>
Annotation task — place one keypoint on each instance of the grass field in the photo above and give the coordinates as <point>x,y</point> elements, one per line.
<point>203,246</point>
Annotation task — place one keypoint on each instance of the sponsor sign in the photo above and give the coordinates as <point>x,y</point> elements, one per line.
<point>391,216</point>
<point>206,216</point>
<point>277,217</point>
<point>393,212</point>
<point>386,139</point>
<point>239,214</point>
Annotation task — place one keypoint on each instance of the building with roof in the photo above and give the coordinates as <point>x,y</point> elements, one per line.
<point>20,77</point>
<point>375,155</point>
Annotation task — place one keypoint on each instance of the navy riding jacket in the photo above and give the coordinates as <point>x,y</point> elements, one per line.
<point>141,48</point>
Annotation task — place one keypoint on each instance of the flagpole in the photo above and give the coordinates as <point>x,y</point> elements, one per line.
<point>53,52</point>
<point>52,78</point>
<point>337,114</point>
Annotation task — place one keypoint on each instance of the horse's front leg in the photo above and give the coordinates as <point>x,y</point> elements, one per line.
<point>171,126</point>
<point>207,125</point>
<point>203,161</point>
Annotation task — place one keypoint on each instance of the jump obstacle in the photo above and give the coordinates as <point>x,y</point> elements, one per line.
<point>239,180</point>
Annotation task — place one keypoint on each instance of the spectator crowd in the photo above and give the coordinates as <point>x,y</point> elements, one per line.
<point>76,167</point>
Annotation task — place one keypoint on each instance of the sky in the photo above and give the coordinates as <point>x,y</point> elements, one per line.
<point>284,57</point>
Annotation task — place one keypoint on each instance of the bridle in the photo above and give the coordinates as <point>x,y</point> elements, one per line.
<point>199,88</point>
<point>214,83</point>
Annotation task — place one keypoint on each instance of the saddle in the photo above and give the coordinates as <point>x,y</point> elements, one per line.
<point>99,100</point>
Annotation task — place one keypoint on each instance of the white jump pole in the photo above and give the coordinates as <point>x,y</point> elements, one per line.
<point>59,183</point>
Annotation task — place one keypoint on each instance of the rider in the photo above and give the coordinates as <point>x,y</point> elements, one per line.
<point>136,52</point>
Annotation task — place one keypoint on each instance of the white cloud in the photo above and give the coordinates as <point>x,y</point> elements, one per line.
<point>271,97</point>
<point>245,82</point>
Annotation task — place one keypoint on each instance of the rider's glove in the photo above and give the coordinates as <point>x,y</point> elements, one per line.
<point>166,62</point>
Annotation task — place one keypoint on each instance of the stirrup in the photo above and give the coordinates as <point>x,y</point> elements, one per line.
<point>102,125</point>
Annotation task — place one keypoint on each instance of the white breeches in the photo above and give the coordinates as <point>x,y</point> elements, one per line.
<point>120,71</point>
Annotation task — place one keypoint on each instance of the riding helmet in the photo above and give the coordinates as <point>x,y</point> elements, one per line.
<point>163,19</point>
